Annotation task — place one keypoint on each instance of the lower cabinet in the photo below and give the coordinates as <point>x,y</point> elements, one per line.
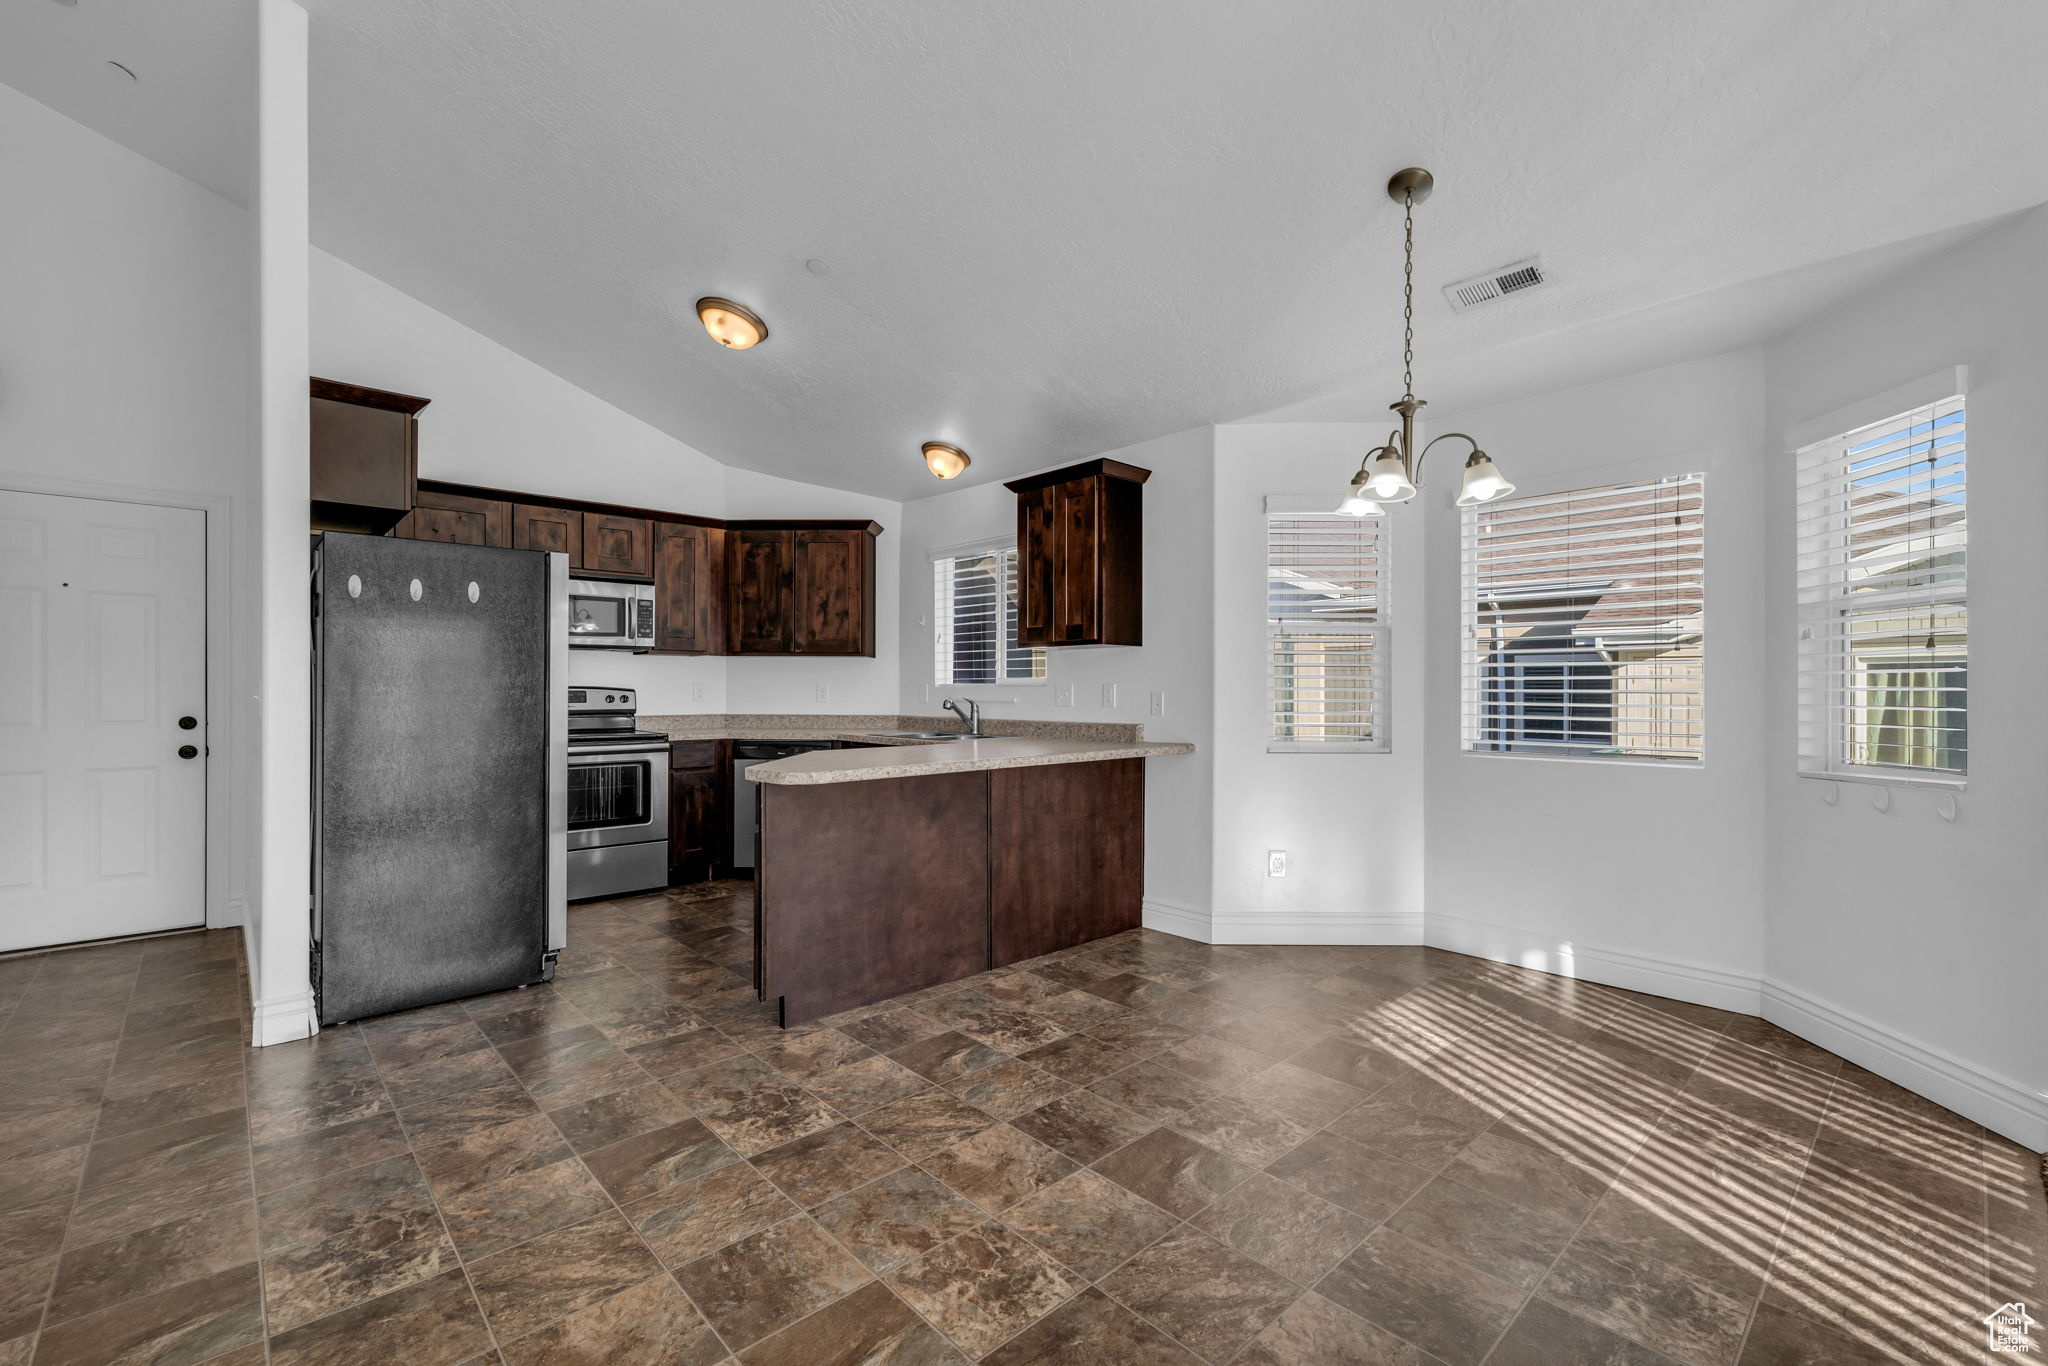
<point>699,810</point>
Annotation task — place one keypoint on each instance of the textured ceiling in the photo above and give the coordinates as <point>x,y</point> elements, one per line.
<point>191,106</point>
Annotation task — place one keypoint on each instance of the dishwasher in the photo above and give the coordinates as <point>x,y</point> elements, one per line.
<point>746,810</point>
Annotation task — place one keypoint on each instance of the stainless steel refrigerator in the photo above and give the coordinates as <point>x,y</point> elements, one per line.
<point>440,789</point>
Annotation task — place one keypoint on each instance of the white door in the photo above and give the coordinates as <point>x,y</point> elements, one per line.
<point>102,656</point>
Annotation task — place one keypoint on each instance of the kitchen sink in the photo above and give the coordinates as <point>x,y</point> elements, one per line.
<point>922,735</point>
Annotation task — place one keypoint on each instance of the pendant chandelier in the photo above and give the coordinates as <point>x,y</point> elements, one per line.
<point>1393,472</point>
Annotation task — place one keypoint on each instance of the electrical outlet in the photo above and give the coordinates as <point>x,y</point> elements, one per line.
<point>1159,704</point>
<point>1109,694</point>
<point>927,692</point>
<point>1063,695</point>
<point>824,692</point>
<point>696,692</point>
<point>1276,863</point>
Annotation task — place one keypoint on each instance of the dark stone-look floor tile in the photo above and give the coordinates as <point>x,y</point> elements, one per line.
<point>1008,1088</point>
<point>1079,1058</point>
<point>691,1218</point>
<point>1205,1294</point>
<point>1778,1337</point>
<point>41,1176</point>
<point>1211,1060</point>
<point>347,1238</point>
<point>1173,1171</point>
<point>1129,990</point>
<point>920,1125</point>
<point>1091,1330</point>
<point>31,1231</point>
<point>1089,1223</point>
<point>639,1166</point>
<point>123,1207</point>
<point>1241,1129</point>
<point>558,1273</point>
<point>433,1323</point>
<point>1419,1137</point>
<point>998,1167</point>
<point>98,1275</point>
<point>983,1287</point>
<point>485,1155</point>
<point>1543,1334</point>
<point>1350,1175</point>
<point>521,1206</point>
<point>946,1056</point>
<point>903,1215</point>
<point>813,1055</point>
<point>41,1124</point>
<point>1516,1244</point>
<point>24,1289</point>
<point>208,1095</point>
<point>650,1324</point>
<point>1011,1029</point>
<point>456,1115</point>
<point>1544,1182</point>
<point>854,1088</point>
<point>750,1105</point>
<point>592,1124</point>
<point>1152,1092</point>
<point>870,1327</point>
<point>769,1280</point>
<point>1365,1067</point>
<point>1661,1288</point>
<point>1083,1125</point>
<point>682,1052</point>
<point>573,1067</point>
<point>1315,1332</point>
<point>165,1148</point>
<point>196,1321</point>
<point>892,1027</point>
<point>812,1169</point>
<point>1283,1227</point>
<point>322,1152</point>
<point>1139,1034</point>
<point>1441,1305</point>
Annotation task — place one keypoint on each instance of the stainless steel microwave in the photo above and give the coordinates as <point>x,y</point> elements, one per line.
<point>610,616</point>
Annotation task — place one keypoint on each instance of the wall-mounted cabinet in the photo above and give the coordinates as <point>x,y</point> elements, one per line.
<point>1080,555</point>
<point>365,456</point>
<point>804,589</point>
<point>560,530</point>
<point>458,519</point>
<point>617,545</point>
<point>689,589</point>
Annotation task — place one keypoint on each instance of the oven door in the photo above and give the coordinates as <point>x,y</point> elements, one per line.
<point>618,794</point>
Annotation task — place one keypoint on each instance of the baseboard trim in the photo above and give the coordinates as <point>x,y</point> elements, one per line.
<point>283,1020</point>
<point>1316,927</point>
<point>1172,918</point>
<point>1673,978</point>
<point>1999,1103</point>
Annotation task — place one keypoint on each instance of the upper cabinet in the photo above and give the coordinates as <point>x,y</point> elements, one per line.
<point>457,518</point>
<point>689,589</point>
<point>365,456</point>
<point>617,545</point>
<point>1080,555</point>
<point>803,589</point>
<point>547,528</point>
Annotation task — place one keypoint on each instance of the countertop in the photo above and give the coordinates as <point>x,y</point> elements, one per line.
<point>923,758</point>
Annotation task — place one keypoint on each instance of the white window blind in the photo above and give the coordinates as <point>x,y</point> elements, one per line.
<point>1884,598</point>
<point>1585,624</point>
<point>974,611</point>
<point>1326,625</point>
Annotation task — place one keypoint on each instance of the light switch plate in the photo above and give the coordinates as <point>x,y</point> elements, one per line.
<point>1159,704</point>
<point>1109,694</point>
<point>1063,695</point>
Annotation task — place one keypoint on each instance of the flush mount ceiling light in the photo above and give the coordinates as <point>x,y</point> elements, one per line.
<point>731,325</point>
<point>945,461</point>
<point>1391,473</point>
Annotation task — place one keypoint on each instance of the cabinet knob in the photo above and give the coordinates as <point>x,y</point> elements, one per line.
<point>188,751</point>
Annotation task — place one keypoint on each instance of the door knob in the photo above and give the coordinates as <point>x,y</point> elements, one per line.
<point>188,751</point>
<point>187,722</point>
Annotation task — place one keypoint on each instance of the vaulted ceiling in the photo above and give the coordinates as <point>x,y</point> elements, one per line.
<point>1053,228</point>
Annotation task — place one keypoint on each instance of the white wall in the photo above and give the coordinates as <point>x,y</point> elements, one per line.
<point>1656,870</point>
<point>126,365</point>
<point>1351,823</point>
<point>1935,932</point>
<point>1177,658</point>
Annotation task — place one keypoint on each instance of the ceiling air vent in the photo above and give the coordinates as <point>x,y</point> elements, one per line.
<point>1518,278</point>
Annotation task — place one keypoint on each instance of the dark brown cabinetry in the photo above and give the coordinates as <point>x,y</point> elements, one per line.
<point>365,456</point>
<point>1080,555</point>
<point>547,528</point>
<point>457,518</point>
<point>802,589</point>
<point>689,589</point>
<point>617,545</point>
<point>699,809</point>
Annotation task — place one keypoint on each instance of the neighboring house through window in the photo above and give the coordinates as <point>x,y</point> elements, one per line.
<point>1584,622</point>
<point>1326,629</point>
<point>1884,626</point>
<point>974,599</point>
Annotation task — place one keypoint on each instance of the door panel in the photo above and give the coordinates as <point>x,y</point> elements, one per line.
<point>102,824</point>
<point>761,592</point>
<point>457,519</point>
<point>1035,550</point>
<point>556,529</point>
<point>689,590</point>
<point>616,545</point>
<point>830,584</point>
<point>1077,599</point>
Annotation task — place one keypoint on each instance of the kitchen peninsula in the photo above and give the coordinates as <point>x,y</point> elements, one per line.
<point>889,869</point>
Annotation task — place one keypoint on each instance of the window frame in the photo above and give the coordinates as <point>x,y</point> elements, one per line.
<point>1821,744</point>
<point>1379,630</point>
<point>1701,465</point>
<point>945,555</point>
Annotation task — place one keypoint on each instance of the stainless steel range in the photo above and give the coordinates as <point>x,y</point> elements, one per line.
<point>618,796</point>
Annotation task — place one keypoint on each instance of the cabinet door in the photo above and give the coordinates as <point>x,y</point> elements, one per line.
<point>617,545</point>
<point>831,592</point>
<point>458,519</point>
<point>542,528</point>
<point>1035,550</point>
<point>689,589</point>
<point>1077,585</point>
<point>695,822</point>
<point>364,458</point>
<point>762,587</point>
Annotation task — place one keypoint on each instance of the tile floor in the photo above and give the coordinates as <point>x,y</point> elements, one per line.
<point>1145,1151</point>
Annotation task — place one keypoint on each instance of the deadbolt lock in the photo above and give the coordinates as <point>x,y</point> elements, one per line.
<point>187,722</point>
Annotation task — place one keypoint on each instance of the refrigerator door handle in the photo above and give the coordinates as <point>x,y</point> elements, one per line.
<point>558,756</point>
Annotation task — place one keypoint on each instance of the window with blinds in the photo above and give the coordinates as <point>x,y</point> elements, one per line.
<point>1326,622</point>
<point>1585,624</point>
<point>1884,623</point>
<point>974,612</point>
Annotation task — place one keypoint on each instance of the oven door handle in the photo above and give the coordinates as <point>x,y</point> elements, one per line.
<point>577,751</point>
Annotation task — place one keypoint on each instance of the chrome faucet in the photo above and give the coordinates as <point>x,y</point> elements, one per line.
<point>969,712</point>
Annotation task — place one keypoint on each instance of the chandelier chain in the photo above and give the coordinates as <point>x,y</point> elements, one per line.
<point>1408,295</point>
